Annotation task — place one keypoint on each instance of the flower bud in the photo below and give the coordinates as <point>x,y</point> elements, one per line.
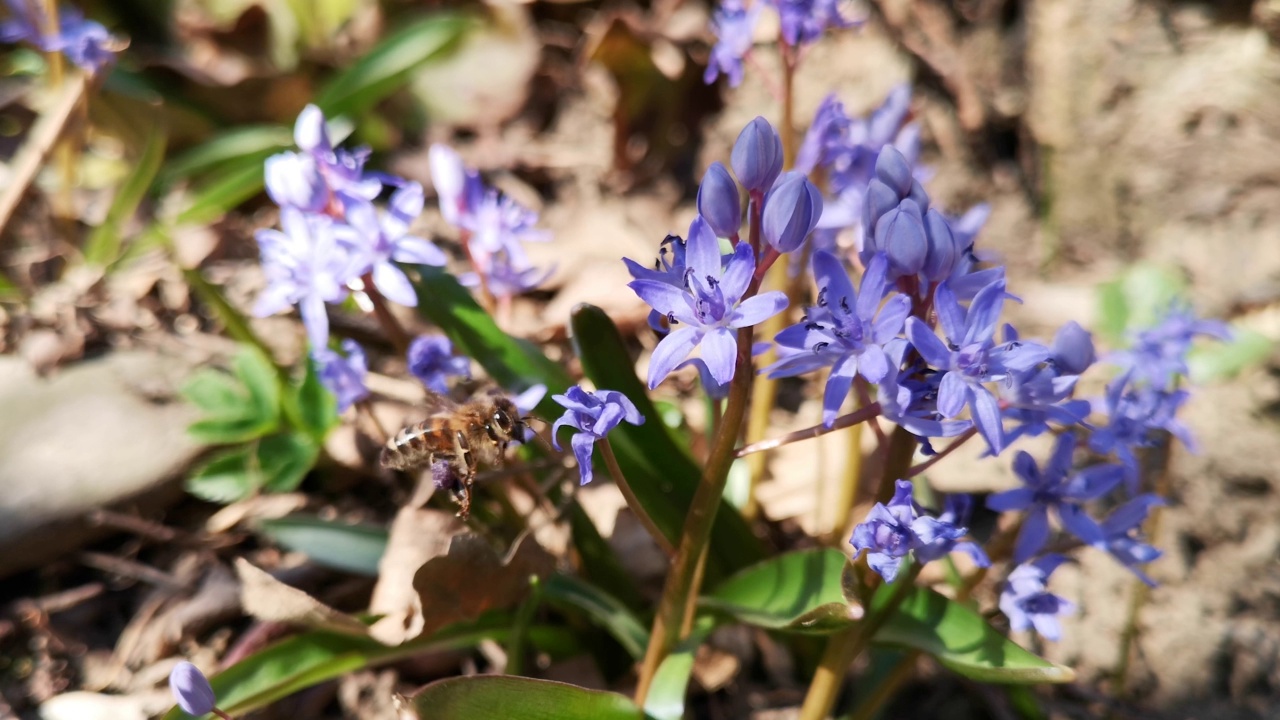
<point>757,155</point>
<point>918,194</point>
<point>1072,349</point>
<point>893,170</point>
<point>191,689</point>
<point>900,235</point>
<point>880,200</point>
<point>309,132</point>
<point>791,210</point>
<point>718,201</point>
<point>941,258</point>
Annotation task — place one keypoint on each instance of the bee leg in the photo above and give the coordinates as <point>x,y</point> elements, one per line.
<point>466,475</point>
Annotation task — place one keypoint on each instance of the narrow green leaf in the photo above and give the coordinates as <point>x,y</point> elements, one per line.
<point>961,640</point>
<point>670,686</point>
<point>104,243</point>
<point>608,611</point>
<point>599,563</point>
<point>216,393</point>
<point>260,378</point>
<point>239,146</point>
<point>314,657</point>
<point>659,470</point>
<point>800,591</point>
<point>230,430</point>
<point>513,363</point>
<point>223,193</point>
<point>317,408</point>
<point>391,64</point>
<point>1224,360</point>
<point>226,478</point>
<point>285,459</point>
<point>351,548</point>
<point>518,698</point>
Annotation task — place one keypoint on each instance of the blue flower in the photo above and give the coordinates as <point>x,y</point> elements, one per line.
<point>1027,602</point>
<point>1050,488</point>
<point>593,415</point>
<point>321,178</point>
<point>458,187</point>
<point>1136,417</point>
<point>1158,354</point>
<point>970,357</point>
<point>191,689</point>
<point>804,21</point>
<point>718,201</point>
<point>791,210</point>
<point>85,43</point>
<point>846,331</point>
<point>909,399</point>
<point>1121,535</point>
<point>667,268</point>
<point>343,373</point>
<point>306,265</point>
<point>734,26</point>
<point>432,361</point>
<point>384,238</point>
<point>709,303</point>
<point>504,277</point>
<point>892,531</point>
<point>757,156</point>
<point>1032,398</point>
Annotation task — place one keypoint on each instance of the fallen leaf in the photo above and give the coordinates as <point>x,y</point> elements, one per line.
<point>417,536</point>
<point>270,600</point>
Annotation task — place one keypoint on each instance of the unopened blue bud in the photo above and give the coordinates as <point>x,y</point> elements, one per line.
<point>1072,349</point>
<point>941,257</point>
<point>757,155</point>
<point>900,235</point>
<point>191,689</point>
<point>791,210</point>
<point>880,200</point>
<point>893,170</point>
<point>718,201</point>
<point>918,194</point>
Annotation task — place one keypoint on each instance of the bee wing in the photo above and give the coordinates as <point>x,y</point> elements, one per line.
<point>438,404</point>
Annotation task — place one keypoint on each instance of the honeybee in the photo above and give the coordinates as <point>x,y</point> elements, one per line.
<point>454,440</point>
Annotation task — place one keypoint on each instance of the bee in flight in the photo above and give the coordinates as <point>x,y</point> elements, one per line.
<point>454,440</point>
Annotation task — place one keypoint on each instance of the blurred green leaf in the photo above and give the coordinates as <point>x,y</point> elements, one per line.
<point>285,459</point>
<point>391,64</point>
<point>259,376</point>
<point>230,413</point>
<point>599,563</point>
<point>518,698</point>
<point>608,611</point>
<point>226,478</point>
<point>962,640</point>
<point>222,193</point>
<point>800,591</point>
<point>670,685</point>
<point>104,243</point>
<point>238,147</point>
<point>351,548</point>
<point>659,470</point>
<point>1137,299</point>
<point>216,393</point>
<point>315,657</point>
<point>515,364</point>
<point>1224,360</point>
<point>317,408</point>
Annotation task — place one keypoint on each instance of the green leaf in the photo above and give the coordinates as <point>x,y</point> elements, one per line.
<point>237,146</point>
<point>223,193</point>
<point>670,684</point>
<point>391,64</point>
<point>259,376</point>
<point>104,243</point>
<point>608,611</point>
<point>518,698</point>
<point>285,459</point>
<point>216,393</point>
<point>314,657</point>
<point>800,591</point>
<point>317,408</point>
<point>1113,310</point>
<point>226,478</point>
<point>351,548</point>
<point>513,363</point>
<point>1224,360</point>
<point>1137,299</point>
<point>961,640</point>
<point>659,470</point>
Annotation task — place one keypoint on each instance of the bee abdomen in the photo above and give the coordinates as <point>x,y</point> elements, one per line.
<point>409,448</point>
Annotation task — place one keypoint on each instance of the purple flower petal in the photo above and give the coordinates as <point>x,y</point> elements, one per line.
<point>758,308</point>
<point>838,386</point>
<point>720,352</point>
<point>952,394</point>
<point>1033,536</point>
<point>582,444</point>
<point>928,344</point>
<point>673,348</point>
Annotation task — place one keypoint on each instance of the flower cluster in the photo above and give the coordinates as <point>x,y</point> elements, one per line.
<point>85,43</point>
<point>892,532</point>
<point>336,240</point>
<point>494,227</point>
<point>801,22</point>
<point>712,293</point>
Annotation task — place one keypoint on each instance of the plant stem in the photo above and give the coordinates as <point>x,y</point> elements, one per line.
<point>43,136</point>
<point>395,331</point>
<point>611,462</point>
<point>868,708</point>
<point>862,414</point>
<point>924,466</point>
<point>848,491</point>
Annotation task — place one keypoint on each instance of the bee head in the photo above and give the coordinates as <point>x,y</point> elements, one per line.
<point>505,423</point>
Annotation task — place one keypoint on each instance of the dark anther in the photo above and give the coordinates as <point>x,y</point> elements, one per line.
<point>671,319</point>
<point>822,297</point>
<point>712,282</point>
<point>813,326</point>
<point>953,347</point>
<point>844,304</point>
<point>819,347</point>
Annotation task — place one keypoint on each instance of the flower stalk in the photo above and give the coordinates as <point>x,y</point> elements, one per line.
<point>611,462</point>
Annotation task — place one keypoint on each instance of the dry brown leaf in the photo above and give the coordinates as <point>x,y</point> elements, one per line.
<point>268,599</point>
<point>417,536</point>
